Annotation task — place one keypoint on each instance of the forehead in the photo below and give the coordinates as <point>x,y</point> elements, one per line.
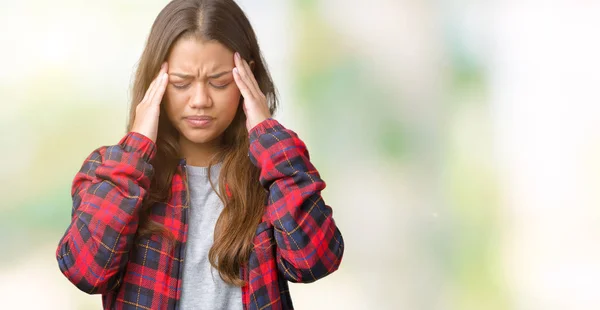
<point>195,56</point>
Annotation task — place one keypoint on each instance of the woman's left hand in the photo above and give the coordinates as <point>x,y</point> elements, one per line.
<point>255,102</point>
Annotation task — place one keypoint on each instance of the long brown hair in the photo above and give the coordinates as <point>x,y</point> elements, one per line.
<point>242,195</point>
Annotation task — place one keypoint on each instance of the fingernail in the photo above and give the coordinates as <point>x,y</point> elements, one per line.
<point>237,55</point>
<point>235,70</point>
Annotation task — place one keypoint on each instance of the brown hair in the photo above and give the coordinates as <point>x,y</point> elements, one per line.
<point>224,22</point>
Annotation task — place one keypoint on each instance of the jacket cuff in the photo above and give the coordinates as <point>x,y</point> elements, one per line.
<point>267,126</point>
<point>135,142</point>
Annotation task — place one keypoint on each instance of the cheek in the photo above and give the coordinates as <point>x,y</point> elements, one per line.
<point>173,103</point>
<point>229,99</point>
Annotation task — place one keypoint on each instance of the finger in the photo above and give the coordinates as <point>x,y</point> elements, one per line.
<point>252,77</point>
<point>152,88</point>
<point>239,63</point>
<point>152,91</point>
<point>148,91</point>
<point>157,81</point>
<point>244,89</point>
<point>246,93</point>
<point>161,85</point>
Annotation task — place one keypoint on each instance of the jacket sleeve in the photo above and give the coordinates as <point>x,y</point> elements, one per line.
<point>107,193</point>
<point>309,244</point>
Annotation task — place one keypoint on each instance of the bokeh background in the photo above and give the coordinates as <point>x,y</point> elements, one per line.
<point>460,141</point>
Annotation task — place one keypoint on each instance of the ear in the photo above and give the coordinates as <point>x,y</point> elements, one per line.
<point>251,63</point>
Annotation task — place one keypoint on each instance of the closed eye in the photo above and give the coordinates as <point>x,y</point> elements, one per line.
<point>187,85</point>
<point>181,86</point>
<point>220,86</point>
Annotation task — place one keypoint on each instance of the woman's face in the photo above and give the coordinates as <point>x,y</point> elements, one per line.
<point>201,97</point>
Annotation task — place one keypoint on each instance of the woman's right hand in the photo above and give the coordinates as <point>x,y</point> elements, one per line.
<point>148,110</point>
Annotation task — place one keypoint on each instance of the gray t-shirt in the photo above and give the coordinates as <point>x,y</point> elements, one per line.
<point>202,287</point>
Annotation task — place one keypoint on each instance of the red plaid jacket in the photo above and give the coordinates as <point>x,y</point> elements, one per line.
<point>296,241</point>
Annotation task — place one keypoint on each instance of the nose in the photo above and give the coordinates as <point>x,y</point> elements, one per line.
<point>200,97</point>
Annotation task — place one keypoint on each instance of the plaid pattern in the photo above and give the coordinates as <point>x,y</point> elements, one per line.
<point>297,240</point>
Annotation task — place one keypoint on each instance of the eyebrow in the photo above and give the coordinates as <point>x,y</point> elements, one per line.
<point>187,76</point>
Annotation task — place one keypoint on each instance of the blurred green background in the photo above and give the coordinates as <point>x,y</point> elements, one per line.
<point>459,142</point>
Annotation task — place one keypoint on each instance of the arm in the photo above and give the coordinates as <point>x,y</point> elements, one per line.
<point>107,194</point>
<point>309,245</point>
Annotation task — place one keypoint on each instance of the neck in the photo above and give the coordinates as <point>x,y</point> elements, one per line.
<point>197,154</point>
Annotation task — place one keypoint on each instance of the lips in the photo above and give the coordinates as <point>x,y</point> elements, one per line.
<point>199,121</point>
<point>200,118</point>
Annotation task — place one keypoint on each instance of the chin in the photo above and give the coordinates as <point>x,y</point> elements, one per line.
<point>200,136</point>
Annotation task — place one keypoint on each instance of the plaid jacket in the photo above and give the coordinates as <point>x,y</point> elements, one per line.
<point>296,241</point>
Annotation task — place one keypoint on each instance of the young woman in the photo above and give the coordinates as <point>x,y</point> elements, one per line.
<point>207,202</point>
